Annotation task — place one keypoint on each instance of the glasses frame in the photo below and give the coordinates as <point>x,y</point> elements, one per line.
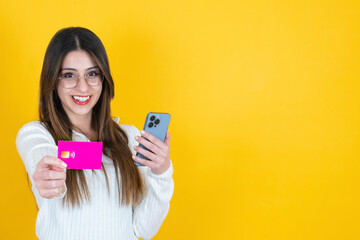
<point>78,76</point>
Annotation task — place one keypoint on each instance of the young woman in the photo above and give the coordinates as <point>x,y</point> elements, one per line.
<point>120,201</point>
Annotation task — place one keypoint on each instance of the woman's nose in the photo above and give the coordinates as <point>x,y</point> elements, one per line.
<point>82,84</point>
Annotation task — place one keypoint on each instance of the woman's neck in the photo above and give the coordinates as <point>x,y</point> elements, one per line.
<point>82,125</point>
<point>89,133</point>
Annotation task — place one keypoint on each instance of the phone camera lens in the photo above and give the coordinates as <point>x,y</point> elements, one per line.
<point>152,118</point>
<point>157,121</point>
<point>150,125</point>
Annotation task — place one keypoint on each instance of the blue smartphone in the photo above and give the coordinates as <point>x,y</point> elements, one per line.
<point>157,125</point>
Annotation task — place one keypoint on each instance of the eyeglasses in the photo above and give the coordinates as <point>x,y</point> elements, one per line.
<point>70,79</point>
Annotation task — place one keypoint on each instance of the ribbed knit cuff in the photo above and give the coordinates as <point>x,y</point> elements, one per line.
<point>167,174</point>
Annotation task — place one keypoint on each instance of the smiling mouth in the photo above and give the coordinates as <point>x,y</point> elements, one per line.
<point>81,100</point>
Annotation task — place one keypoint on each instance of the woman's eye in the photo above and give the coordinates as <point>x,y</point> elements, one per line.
<point>68,75</point>
<point>93,74</point>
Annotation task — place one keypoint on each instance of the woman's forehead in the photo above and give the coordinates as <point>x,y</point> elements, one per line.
<point>78,60</point>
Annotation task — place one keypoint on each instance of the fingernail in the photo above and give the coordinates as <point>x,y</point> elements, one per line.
<point>136,138</point>
<point>142,132</point>
<point>133,156</point>
<point>135,147</point>
<point>64,164</point>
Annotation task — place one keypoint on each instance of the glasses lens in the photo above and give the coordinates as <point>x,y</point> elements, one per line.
<point>94,78</point>
<point>68,80</point>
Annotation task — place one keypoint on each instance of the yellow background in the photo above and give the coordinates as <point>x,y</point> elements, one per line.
<point>264,98</point>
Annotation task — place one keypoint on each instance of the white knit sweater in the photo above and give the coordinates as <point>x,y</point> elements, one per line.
<point>102,218</point>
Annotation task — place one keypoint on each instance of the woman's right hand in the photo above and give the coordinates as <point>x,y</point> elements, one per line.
<point>49,177</point>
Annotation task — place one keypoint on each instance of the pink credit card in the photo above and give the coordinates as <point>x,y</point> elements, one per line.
<point>81,155</point>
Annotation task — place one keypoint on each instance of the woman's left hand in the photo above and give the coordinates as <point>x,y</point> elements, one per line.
<point>159,155</point>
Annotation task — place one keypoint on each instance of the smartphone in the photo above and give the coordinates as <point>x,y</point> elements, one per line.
<point>157,125</point>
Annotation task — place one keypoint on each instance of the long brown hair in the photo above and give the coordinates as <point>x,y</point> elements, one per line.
<point>52,114</point>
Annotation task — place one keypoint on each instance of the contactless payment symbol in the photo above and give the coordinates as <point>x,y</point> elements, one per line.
<point>67,154</point>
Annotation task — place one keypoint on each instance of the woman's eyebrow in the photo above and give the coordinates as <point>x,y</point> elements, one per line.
<point>73,69</point>
<point>92,67</point>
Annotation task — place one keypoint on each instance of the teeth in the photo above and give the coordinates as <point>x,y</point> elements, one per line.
<point>81,99</point>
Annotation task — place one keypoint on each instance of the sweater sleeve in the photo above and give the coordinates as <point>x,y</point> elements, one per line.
<point>33,142</point>
<point>149,214</point>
